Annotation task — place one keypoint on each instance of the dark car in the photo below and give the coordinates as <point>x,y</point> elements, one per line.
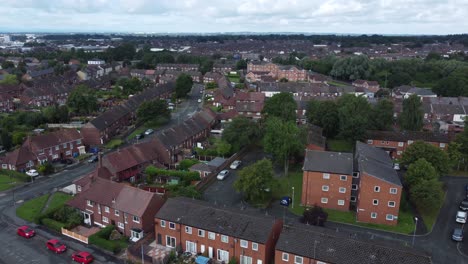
<point>139,136</point>
<point>25,231</point>
<point>457,234</point>
<point>464,205</point>
<point>93,158</point>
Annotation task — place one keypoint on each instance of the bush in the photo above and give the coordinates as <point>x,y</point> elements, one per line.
<point>45,168</point>
<point>186,177</point>
<point>52,224</point>
<point>100,239</point>
<point>187,163</point>
<point>66,215</point>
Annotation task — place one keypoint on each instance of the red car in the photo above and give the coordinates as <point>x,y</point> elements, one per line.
<point>82,257</point>
<point>25,231</point>
<point>56,246</point>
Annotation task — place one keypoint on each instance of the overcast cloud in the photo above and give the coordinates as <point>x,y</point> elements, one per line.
<point>319,16</point>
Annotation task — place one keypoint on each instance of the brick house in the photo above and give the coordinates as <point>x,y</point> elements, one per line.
<point>256,76</point>
<point>395,143</point>
<point>7,103</point>
<point>211,77</point>
<point>290,72</point>
<point>327,179</point>
<point>370,85</point>
<point>50,147</point>
<point>178,67</point>
<point>104,202</point>
<point>259,66</point>
<point>378,186</point>
<point>301,244</point>
<point>224,67</point>
<point>220,232</point>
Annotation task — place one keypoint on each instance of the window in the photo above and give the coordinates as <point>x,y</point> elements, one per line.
<point>125,218</point>
<point>375,202</point>
<point>90,203</point>
<point>353,199</point>
<point>355,174</point>
<point>389,217</point>
<point>326,176</point>
<point>224,239</point>
<point>201,233</point>
<point>373,215</point>
<point>382,142</point>
<point>325,188</point>
<point>354,187</point>
<point>105,219</point>
<point>399,152</point>
<point>171,226</point>
<point>170,242</point>
<point>64,145</point>
<point>254,246</point>
<point>57,147</point>
<point>376,188</point>
<point>393,190</point>
<point>324,200</point>
<point>211,235</point>
<point>391,204</point>
<point>401,144</point>
<point>117,213</point>
<point>136,219</point>
<point>442,145</point>
<point>163,223</point>
<point>343,177</point>
<point>188,230</point>
<point>191,247</point>
<point>342,190</point>
<point>410,142</point>
<point>223,255</point>
<point>78,141</point>
<point>340,202</point>
<point>68,152</point>
<point>285,256</point>
<point>106,209</point>
<point>297,260</point>
<point>121,225</point>
<point>370,141</point>
<point>244,244</point>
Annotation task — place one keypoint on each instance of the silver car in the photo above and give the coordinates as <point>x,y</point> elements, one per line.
<point>222,174</point>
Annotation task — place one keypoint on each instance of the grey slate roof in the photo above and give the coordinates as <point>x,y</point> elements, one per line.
<point>329,162</point>
<point>376,162</point>
<point>333,247</point>
<point>407,135</point>
<point>243,224</point>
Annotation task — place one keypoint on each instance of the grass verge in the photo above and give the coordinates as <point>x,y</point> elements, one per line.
<point>58,199</point>
<point>114,143</point>
<point>32,208</point>
<point>340,145</point>
<point>10,179</point>
<point>335,83</point>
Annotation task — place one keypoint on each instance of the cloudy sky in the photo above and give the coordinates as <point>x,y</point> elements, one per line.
<point>161,16</point>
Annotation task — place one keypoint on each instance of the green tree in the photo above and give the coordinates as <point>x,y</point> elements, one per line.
<point>256,181</point>
<point>10,79</point>
<point>183,85</point>
<point>352,68</point>
<point>325,115</point>
<point>427,195</point>
<point>241,132</point>
<point>222,147</point>
<point>153,110</point>
<point>353,114</point>
<point>56,114</point>
<point>411,117</point>
<point>283,139</point>
<point>241,65</point>
<point>432,154</point>
<point>281,105</point>
<point>419,171</point>
<point>381,116</point>
<point>7,65</point>
<point>18,137</point>
<point>456,157</point>
<point>462,141</point>
<point>5,139</point>
<point>82,100</point>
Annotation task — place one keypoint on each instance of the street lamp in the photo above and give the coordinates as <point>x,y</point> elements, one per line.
<point>292,204</point>
<point>415,227</point>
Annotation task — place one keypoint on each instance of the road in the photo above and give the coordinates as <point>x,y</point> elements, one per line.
<point>438,243</point>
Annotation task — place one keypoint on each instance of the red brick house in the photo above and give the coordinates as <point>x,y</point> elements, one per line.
<point>178,67</point>
<point>327,179</point>
<point>220,232</point>
<point>395,142</point>
<point>305,244</point>
<point>373,86</point>
<point>49,147</point>
<point>212,77</point>
<point>378,186</point>
<point>104,202</point>
<point>290,72</point>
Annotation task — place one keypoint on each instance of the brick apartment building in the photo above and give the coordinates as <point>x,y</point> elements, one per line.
<point>290,72</point>
<point>327,179</point>
<point>220,232</point>
<point>395,143</point>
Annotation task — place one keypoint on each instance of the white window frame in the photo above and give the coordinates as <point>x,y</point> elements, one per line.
<point>99,209</point>
<point>170,239</point>
<point>325,188</point>
<point>390,202</point>
<point>188,230</point>
<point>172,225</point>
<point>410,142</point>
<point>116,212</point>
<point>389,217</point>
<point>376,188</point>
<point>136,219</point>
<point>225,252</point>
<point>211,236</point>
<point>298,260</point>
<point>375,202</point>
<point>343,178</point>
<point>90,203</point>
<point>201,233</point>
<point>342,190</point>
<point>254,246</point>
<point>399,152</point>
<point>121,225</point>
<point>324,200</point>
<point>285,256</point>
<point>442,145</point>
<point>401,144</point>
<point>163,223</point>
<point>373,215</point>
<point>393,190</point>
<point>244,243</point>
<point>341,202</point>
<point>326,176</point>
<point>354,187</point>
<point>224,239</point>
<point>106,209</point>
<point>105,219</point>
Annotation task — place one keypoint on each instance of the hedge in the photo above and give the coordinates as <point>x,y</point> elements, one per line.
<point>52,224</point>
<point>100,239</point>
<point>185,176</point>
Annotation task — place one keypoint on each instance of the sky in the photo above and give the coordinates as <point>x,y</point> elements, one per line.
<point>212,16</point>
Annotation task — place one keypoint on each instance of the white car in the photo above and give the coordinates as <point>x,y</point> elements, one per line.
<point>235,164</point>
<point>461,217</point>
<point>32,173</point>
<point>149,131</point>
<point>396,166</point>
<point>199,100</point>
<point>222,174</point>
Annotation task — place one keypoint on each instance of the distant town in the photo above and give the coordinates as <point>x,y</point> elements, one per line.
<point>233,148</point>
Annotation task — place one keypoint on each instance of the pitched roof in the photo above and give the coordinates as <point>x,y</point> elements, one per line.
<point>333,247</point>
<point>376,162</point>
<point>54,138</point>
<point>403,136</point>
<point>328,162</point>
<point>243,224</point>
<point>129,157</point>
<point>19,156</point>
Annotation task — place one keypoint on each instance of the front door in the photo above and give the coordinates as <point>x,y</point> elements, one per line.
<point>159,241</point>
<point>202,249</point>
<point>210,252</point>
<point>87,218</point>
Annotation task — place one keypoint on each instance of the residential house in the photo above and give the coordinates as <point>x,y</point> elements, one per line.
<point>327,179</point>
<point>405,91</point>
<point>290,72</point>
<point>104,202</point>
<point>7,103</point>
<point>260,66</point>
<point>96,62</point>
<point>306,244</point>
<point>259,76</point>
<point>377,185</point>
<point>372,86</point>
<point>152,75</point>
<point>46,92</point>
<point>206,168</point>
<point>318,78</point>
<point>36,150</point>
<point>224,67</point>
<point>178,67</point>
<point>447,109</point>
<point>38,74</point>
<point>249,104</point>
<point>222,233</point>
<point>195,75</point>
<point>211,77</point>
<point>395,142</point>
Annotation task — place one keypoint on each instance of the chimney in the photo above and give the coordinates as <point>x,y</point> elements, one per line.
<point>100,160</point>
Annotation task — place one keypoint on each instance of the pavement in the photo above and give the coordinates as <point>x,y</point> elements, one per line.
<point>437,243</point>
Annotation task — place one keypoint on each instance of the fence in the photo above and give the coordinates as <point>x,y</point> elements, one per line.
<point>74,235</point>
<point>134,251</point>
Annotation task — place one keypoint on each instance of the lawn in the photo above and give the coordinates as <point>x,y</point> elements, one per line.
<point>431,216</point>
<point>137,131</point>
<point>58,199</point>
<point>114,143</point>
<point>336,83</point>
<point>340,145</point>
<point>234,78</point>
<point>32,208</point>
<point>10,179</point>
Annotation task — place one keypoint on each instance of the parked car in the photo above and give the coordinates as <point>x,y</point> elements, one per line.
<point>199,100</point>
<point>139,136</point>
<point>222,174</point>
<point>82,257</point>
<point>464,205</point>
<point>396,166</point>
<point>93,158</point>
<point>461,217</point>
<point>32,173</point>
<point>25,231</point>
<point>235,164</point>
<point>149,131</point>
<point>66,161</point>
<point>56,246</point>
<point>457,234</point>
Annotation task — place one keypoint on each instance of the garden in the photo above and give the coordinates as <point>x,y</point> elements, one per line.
<point>176,182</point>
<point>109,239</point>
<point>10,179</point>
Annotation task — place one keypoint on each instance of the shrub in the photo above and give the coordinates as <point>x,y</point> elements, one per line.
<point>46,168</point>
<point>100,239</point>
<point>187,163</point>
<point>52,224</point>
